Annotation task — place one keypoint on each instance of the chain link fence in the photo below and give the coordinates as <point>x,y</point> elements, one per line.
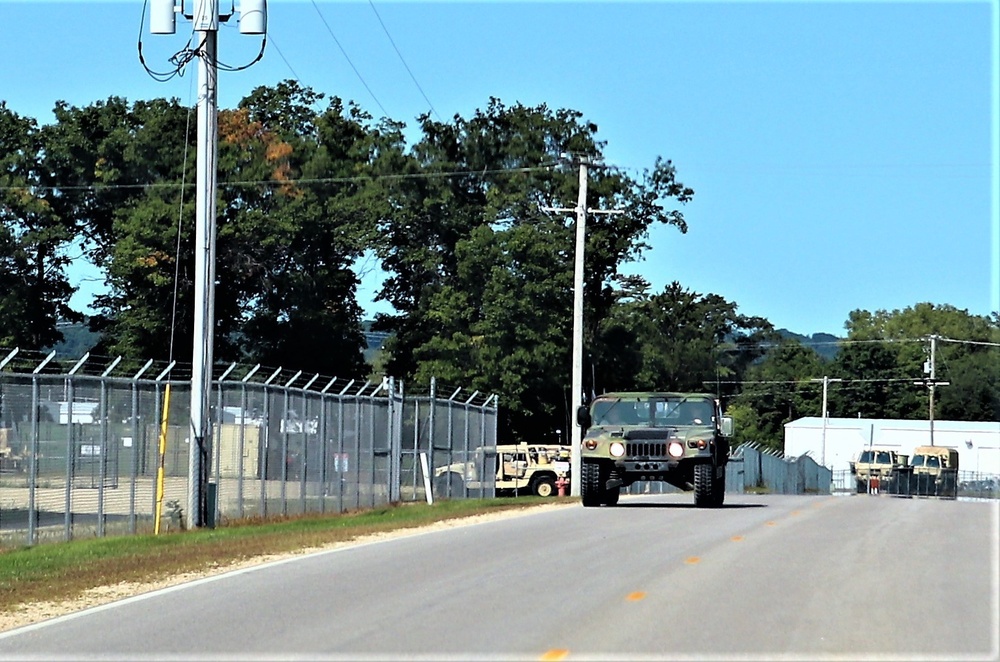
<point>79,453</point>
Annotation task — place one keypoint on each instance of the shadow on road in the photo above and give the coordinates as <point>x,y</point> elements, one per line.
<point>726,506</point>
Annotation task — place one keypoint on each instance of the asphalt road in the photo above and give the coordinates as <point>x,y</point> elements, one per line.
<point>766,577</point>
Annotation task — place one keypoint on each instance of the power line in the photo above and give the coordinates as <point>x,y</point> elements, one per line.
<point>285,182</point>
<point>347,57</point>
<point>406,66</point>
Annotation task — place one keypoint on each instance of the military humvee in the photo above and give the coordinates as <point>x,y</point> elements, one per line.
<point>877,469</point>
<point>519,469</point>
<point>678,438</point>
<point>934,471</point>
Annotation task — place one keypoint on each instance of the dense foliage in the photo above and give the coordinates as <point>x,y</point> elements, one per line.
<point>480,274</point>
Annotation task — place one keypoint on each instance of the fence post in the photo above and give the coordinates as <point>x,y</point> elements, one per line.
<point>432,432</point>
<point>240,468</point>
<point>70,379</point>
<point>468,447</point>
<point>33,458</point>
<point>395,440</point>
<point>103,448</point>
<point>371,436</point>
<point>284,443</point>
<point>451,441</point>
<point>304,460</point>
<point>341,466</point>
<point>132,518</point>
<point>267,442</point>
<point>324,448</point>
<point>357,444</point>
<point>159,407</point>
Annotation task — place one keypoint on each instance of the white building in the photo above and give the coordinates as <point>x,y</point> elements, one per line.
<point>841,439</point>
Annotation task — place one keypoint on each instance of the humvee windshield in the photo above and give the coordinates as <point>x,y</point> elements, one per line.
<point>654,411</point>
<point>880,457</point>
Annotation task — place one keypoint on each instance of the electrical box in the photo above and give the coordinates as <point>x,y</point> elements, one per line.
<point>162,17</point>
<point>253,16</point>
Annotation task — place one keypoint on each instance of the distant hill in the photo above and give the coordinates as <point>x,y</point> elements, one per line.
<point>77,340</point>
<point>826,345</point>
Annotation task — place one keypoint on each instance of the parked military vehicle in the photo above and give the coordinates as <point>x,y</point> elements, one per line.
<point>517,468</point>
<point>877,469</point>
<point>933,471</point>
<point>677,438</point>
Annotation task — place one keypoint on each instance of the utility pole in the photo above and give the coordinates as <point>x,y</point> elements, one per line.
<point>826,382</point>
<point>931,382</point>
<point>205,19</point>
<point>576,397</point>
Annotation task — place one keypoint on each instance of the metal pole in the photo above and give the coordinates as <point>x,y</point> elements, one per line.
<point>826,382</point>
<point>206,23</point>
<point>930,409</point>
<point>576,398</point>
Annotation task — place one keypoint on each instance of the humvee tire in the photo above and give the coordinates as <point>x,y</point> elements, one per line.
<point>544,486</point>
<point>591,490</point>
<point>611,496</point>
<point>703,492</point>
<point>719,488</point>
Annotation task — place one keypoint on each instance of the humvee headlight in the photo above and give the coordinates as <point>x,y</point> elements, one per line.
<point>617,449</point>
<point>590,444</point>
<point>675,449</point>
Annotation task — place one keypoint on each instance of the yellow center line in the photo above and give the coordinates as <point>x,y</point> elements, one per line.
<point>736,538</point>
<point>635,597</point>
<point>691,560</point>
<point>770,523</point>
<point>796,512</point>
<point>554,654</point>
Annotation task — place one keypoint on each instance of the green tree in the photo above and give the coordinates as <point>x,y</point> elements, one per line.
<point>483,183</point>
<point>295,209</point>
<point>886,352</point>
<point>675,340</point>
<point>34,238</point>
<point>780,388</point>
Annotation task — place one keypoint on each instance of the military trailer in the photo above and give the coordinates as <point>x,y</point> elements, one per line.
<point>678,438</point>
<point>518,469</point>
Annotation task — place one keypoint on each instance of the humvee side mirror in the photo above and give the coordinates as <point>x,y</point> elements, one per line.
<point>726,426</point>
<point>583,416</point>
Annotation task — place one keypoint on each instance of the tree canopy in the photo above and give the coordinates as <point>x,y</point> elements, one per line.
<point>480,270</point>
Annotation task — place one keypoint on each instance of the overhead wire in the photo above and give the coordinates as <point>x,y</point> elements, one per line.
<point>401,59</point>
<point>348,58</point>
<point>303,181</point>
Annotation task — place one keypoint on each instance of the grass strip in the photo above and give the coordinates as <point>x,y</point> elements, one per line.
<point>64,570</point>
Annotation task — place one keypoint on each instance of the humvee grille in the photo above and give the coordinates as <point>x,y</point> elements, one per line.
<point>646,449</point>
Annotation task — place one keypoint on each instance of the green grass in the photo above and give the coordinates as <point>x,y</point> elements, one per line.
<point>64,570</point>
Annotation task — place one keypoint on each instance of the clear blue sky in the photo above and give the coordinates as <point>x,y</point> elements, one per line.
<point>844,155</point>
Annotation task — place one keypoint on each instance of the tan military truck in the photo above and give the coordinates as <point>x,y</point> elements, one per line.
<point>518,469</point>
<point>934,471</point>
<point>876,470</point>
<point>677,438</point>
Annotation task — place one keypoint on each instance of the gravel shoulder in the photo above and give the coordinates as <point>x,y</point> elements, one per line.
<point>35,612</point>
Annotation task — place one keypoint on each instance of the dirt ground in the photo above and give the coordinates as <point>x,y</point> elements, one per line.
<point>35,612</point>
